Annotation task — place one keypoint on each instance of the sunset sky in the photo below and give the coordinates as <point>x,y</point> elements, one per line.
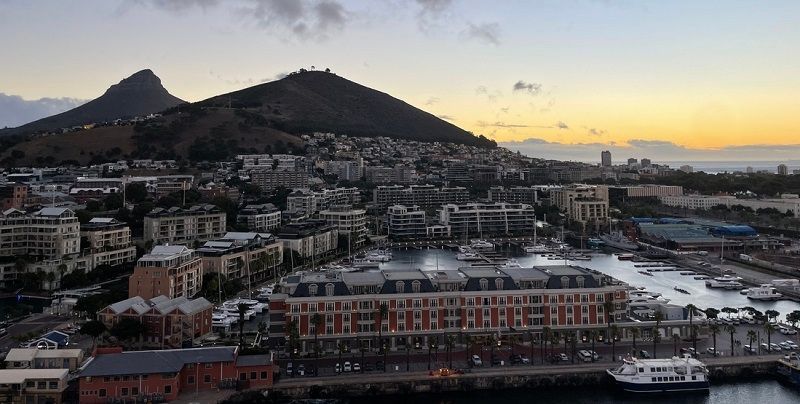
<point>546,77</point>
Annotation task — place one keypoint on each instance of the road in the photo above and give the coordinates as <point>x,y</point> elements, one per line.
<point>36,323</point>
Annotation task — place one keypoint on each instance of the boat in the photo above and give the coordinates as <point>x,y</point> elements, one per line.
<point>643,296</point>
<point>537,249</point>
<point>725,282</point>
<point>681,290</point>
<point>744,291</point>
<point>481,245</point>
<point>625,257</point>
<point>661,375</point>
<point>579,257</point>
<point>221,319</point>
<point>618,240</point>
<point>789,368</point>
<point>595,243</point>
<point>645,273</point>
<point>378,256</point>
<point>511,263</point>
<point>468,256</point>
<point>763,292</point>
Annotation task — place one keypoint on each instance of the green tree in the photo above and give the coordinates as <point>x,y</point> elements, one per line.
<point>634,333</point>
<point>614,335</point>
<point>712,313</point>
<point>769,329</point>
<point>93,329</point>
<point>751,336</point>
<point>772,315</point>
<point>128,329</point>
<point>659,317</point>
<point>675,339</point>
<point>381,314</point>
<point>317,321</point>
<point>793,318</point>
<point>692,309</point>
<point>731,329</point>
<point>433,343</point>
<point>714,330</point>
<point>290,328</point>
<point>136,192</point>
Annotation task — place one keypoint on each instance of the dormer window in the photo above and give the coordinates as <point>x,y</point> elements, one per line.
<point>312,290</point>
<point>565,282</point>
<point>484,284</point>
<point>400,286</point>
<point>329,288</point>
<point>498,284</point>
<point>415,286</point>
<point>579,281</point>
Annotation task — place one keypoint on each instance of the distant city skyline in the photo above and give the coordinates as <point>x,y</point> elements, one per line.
<point>713,79</point>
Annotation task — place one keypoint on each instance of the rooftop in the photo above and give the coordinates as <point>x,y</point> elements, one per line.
<point>150,362</point>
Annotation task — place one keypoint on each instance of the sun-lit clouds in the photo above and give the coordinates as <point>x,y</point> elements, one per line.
<point>15,111</point>
<point>529,88</point>
<point>488,33</point>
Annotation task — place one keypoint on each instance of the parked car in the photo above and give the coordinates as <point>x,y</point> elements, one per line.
<point>785,346</point>
<point>585,356</point>
<point>712,351</point>
<point>368,367</point>
<point>787,331</point>
<point>749,349</point>
<point>496,361</point>
<point>644,354</point>
<point>348,367</point>
<point>476,361</point>
<point>356,367</point>
<point>774,347</point>
<point>379,365</point>
<point>301,370</point>
<point>764,347</point>
<point>563,357</point>
<point>311,371</point>
<point>595,355</point>
<point>337,368</point>
<point>289,369</point>
<point>791,344</point>
<point>524,359</point>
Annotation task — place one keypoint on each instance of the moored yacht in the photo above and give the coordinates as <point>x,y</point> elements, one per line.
<point>661,375</point>
<point>618,240</point>
<point>481,245</point>
<point>537,249</point>
<point>763,292</point>
<point>725,282</point>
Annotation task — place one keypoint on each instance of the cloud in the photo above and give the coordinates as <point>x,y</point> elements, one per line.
<point>487,32</point>
<point>430,11</point>
<point>501,124</point>
<point>530,88</point>
<point>660,151</point>
<point>181,5</point>
<point>491,95</point>
<point>432,100</point>
<point>596,132</point>
<point>16,111</point>
<point>561,125</point>
<point>274,78</point>
<point>446,117</point>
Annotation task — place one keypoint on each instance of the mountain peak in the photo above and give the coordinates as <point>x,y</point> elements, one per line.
<point>142,80</point>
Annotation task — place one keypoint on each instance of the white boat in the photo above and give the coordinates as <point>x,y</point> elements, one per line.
<point>379,256</point>
<point>468,256</point>
<point>643,296</point>
<point>511,263</point>
<point>618,240</point>
<point>481,245</point>
<point>537,249</point>
<point>763,292</point>
<point>221,319</point>
<point>232,310</point>
<point>661,375</point>
<point>579,257</point>
<point>725,282</point>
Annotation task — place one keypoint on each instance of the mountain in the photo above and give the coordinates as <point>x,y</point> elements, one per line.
<point>140,94</point>
<point>315,101</point>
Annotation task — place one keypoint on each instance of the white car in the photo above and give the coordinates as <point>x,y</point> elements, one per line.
<point>338,368</point>
<point>785,346</point>
<point>476,360</point>
<point>356,367</point>
<point>787,331</point>
<point>712,351</point>
<point>348,367</point>
<point>791,344</point>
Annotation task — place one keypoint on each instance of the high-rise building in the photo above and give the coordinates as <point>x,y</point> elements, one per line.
<point>646,162</point>
<point>605,158</point>
<point>632,161</point>
<point>169,270</point>
<point>688,169</point>
<point>783,169</point>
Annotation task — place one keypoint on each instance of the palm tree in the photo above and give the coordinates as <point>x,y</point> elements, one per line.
<point>593,335</point>
<point>316,321</point>
<point>714,330</point>
<point>751,336</point>
<point>573,340</point>
<point>408,356</point>
<point>555,338</point>
<point>512,340</point>
<point>342,348</point>
<point>675,339</point>
<point>634,333</point>
<point>769,328</point>
<point>383,312</point>
<point>712,313</point>
<point>62,268</point>
<point>450,341</point>
<point>241,308</point>
<point>546,336</point>
<point>363,348</point>
<point>614,335</point>
<point>432,344</point>
<point>731,329</point>
<point>290,328</point>
<point>659,317</point>
<point>491,341</point>
<point>692,308</point>
<point>470,341</point>
<point>530,337</point>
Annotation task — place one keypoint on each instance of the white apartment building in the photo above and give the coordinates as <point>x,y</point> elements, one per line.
<point>405,222</point>
<point>586,211</point>
<point>281,162</point>
<point>109,243</point>
<point>51,233</point>
<point>348,221</point>
<point>268,180</point>
<point>183,226</point>
<point>306,202</point>
<point>260,218</point>
<point>424,196</point>
<point>690,201</point>
<point>651,190</point>
<point>578,201</point>
<point>478,219</point>
<point>312,238</point>
<point>348,170</point>
<point>237,255</point>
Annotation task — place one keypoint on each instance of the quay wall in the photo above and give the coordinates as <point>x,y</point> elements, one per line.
<point>720,370</point>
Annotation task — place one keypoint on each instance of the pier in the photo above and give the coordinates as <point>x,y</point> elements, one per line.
<point>720,369</point>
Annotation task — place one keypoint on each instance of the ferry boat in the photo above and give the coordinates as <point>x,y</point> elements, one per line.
<point>661,375</point>
<point>725,282</point>
<point>763,292</point>
<point>618,240</point>
<point>789,368</point>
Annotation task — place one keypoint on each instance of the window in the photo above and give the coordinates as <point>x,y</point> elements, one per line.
<point>487,301</point>
<point>517,300</point>
<point>584,298</point>
<point>599,298</point>
<point>312,289</point>
<point>346,306</point>
<point>209,365</point>
<point>553,309</point>
<point>124,391</point>
<point>167,389</point>
<point>434,313</point>
<point>53,385</point>
<point>207,379</point>
<point>501,300</point>
<point>564,282</point>
<point>584,309</point>
<point>242,376</point>
<point>101,393</point>
<point>579,281</point>
<point>498,284</point>
<point>470,301</point>
<point>416,286</point>
<point>263,375</point>
<point>400,286</point>
<point>329,288</point>
<point>401,304</point>
<point>134,391</point>
<point>330,306</point>
<point>417,303</point>
<point>641,370</point>
<point>190,380</point>
<point>484,284</point>
<point>253,375</point>
<point>654,379</point>
<point>433,302</point>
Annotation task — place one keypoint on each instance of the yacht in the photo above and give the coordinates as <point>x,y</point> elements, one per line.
<point>221,319</point>
<point>661,375</point>
<point>379,256</point>
<point>468,256</point>
<point>789,368</point>
<point>511,263</point>
<point>643,296</point>
<point>625,257</point>
<point>763,292</point>
<point>618,240</point>
<point>725,282</point>
<point>481,245</point>
<point>537,249</point>
<point>265,293</point>
<point>232,310</point>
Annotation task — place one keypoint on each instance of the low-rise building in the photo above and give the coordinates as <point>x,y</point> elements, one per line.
<point>169,270</point>
<point>268,180</point>
<point>159,376</point>
<point>424,196</point>
<point>184,226</point>
<point>488,218</point>
<point>12,196</point>
<point>32,358</point>
<point>109,243</point>
<point>23,386</point>
<point>348,221</point>
<point>528,195</point>
<point>168,323</point>
<point>404,222</point>
<point>582,203</point>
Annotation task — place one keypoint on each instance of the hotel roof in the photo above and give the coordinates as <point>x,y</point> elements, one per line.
<point>150,362</point>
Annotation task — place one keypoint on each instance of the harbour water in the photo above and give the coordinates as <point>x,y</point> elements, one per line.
<point>662,282</point>
<point>764,391</point>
